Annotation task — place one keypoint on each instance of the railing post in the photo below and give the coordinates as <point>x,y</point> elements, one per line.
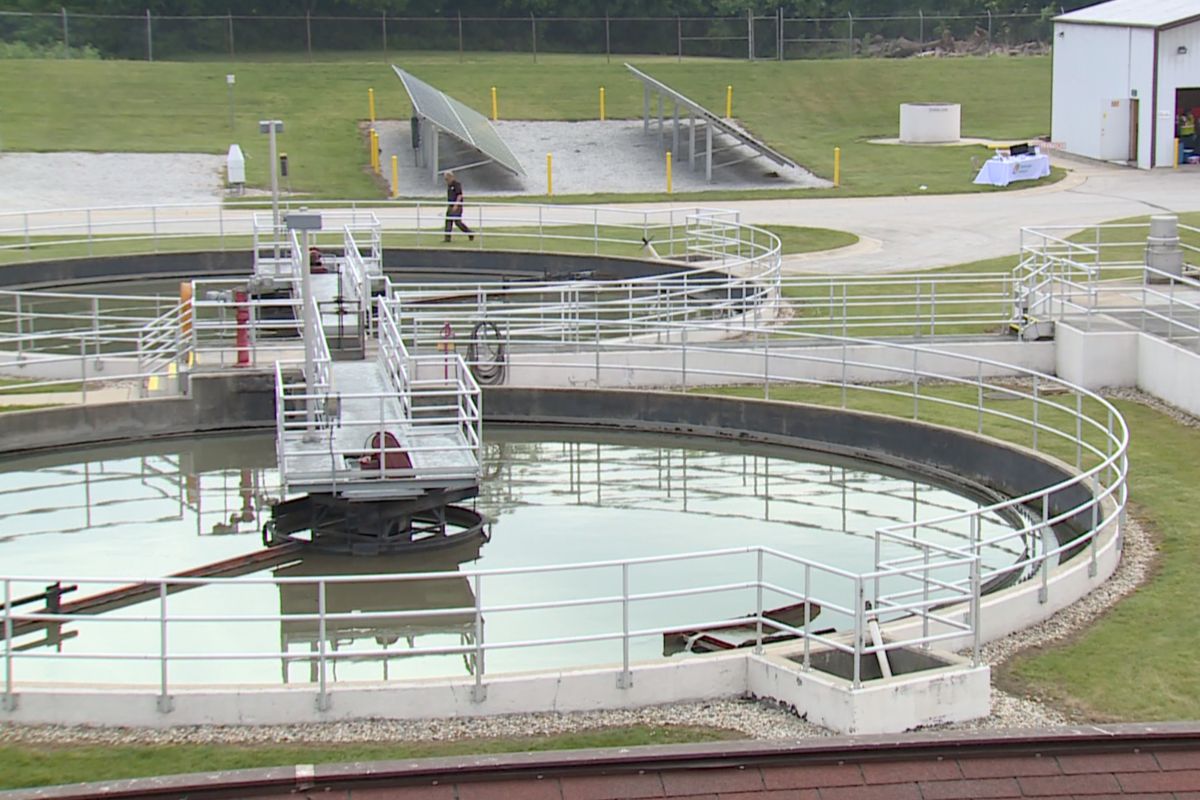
<point>1044,589</point>
<point>10,698</point>
<point>683,357</point>
<point>807,616</point>
<point>767,365</point>
<point>479,691</point>
<point>323,702</point>
<point>979,398</point>
<point>89,230</point>
<point>758,605</point>
<point>976,592</point>
<point>859,628</point>
<point>925,597</point>
<point>1036,403</point>
<point>1078,430</point>
<point>83,368</point>
<point>1093,567</point>
<point>625,679</point>
<point>20,322</point>
<point>166,704</point>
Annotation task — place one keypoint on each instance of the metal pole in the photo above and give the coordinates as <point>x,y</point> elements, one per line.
<point>308,31</point>
<point>66,35</point>
<point>679,36</point>
<point>758,607</point>
<point>383,25</point>
<point>272,125</point>
<point>149,38</point>
<point>850,35</point>
<point>533,28</point>
<point>164,699</point>
<point>859,625</point>
<point>607,40</point>
<point>10,699</point>
<point>311,321</point>
<point>460,38</point>
<point>626,679</point>
<point>322,693</point>
<point>749,34</point>
<point>479,692</point>
<point>229,17</point>
<point>779,31</point>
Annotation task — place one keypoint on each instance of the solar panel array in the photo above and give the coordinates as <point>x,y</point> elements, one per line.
<point>458,120</point>
<point>762,148</point>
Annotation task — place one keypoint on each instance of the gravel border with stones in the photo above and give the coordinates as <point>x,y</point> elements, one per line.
<point>754,719</point>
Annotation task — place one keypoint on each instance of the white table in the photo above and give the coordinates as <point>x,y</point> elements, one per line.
<point>1003,170</point>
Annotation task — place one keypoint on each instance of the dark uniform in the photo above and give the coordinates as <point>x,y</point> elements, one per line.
<point>454,209</point>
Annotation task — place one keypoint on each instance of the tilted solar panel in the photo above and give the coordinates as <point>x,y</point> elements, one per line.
<point>458,120</point>
<point>762,148</point>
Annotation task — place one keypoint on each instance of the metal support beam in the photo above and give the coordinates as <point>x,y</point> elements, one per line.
<point>692,141</point>
<point>433,149</point>
<point>708,153</point>
<point>645,108</point>
<point>660,119</point>
<point>675,130</point>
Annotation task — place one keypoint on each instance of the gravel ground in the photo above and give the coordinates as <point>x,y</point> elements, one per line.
<point>589,157</point>
<point>82,180</point>
<point>754,719</point>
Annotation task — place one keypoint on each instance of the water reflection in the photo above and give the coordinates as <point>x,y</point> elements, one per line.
<point>160,508</point>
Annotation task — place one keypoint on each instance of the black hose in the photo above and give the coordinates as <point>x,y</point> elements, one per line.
<point>486,354</point>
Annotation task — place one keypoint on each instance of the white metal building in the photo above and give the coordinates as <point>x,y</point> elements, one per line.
<point>1124,71</point>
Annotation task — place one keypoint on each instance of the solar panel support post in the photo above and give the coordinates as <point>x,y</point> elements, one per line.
<point>708,153</point>
<point>675,130</point>
<point>645,108</point>
<point>660,119</point>
<point>692,141</point>
<point>433,154</point>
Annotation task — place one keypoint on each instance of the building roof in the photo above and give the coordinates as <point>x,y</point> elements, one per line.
<point>1136,13</point>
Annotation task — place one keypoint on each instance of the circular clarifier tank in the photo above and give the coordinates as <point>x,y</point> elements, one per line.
<point>553,498</point>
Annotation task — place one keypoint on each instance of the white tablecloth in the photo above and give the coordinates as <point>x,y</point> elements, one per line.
<point>1004,170</point>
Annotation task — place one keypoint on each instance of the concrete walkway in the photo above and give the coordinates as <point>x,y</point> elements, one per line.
<point>899,233</point>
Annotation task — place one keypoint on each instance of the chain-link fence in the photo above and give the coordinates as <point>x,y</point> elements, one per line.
<point>149,37</point>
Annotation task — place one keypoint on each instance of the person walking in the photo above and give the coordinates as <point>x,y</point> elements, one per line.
<point>454,207</point>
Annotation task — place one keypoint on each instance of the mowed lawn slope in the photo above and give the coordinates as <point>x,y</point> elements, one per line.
<point>804,108</point>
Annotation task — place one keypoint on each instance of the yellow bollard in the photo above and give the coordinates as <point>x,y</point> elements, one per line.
<point>495,108</point>
<point>375,151</point>
<point>395,178</point>
<point>837,167</point>
<point>729,102</point>
<point>668,172</point>
<point>1176,164</point>
<point>602,104</point>
<point>549,174</point>
<point>371,104</point>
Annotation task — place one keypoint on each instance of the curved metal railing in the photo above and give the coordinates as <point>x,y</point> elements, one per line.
<point>929,592</point>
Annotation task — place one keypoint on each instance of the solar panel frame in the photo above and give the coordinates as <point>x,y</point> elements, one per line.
<point>458,120</point>
<point>762,148</point>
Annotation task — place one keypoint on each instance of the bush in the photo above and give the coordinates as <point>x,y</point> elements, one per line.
<point>14,50</point>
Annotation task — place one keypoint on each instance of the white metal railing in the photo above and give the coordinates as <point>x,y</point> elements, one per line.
<point>760,576</point>
<point>1102,269</point>
<point>637,347</point>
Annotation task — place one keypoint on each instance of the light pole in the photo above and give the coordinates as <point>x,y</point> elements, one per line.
<point>271,127</point>
<point>230,79</point>
<point>305,221</point>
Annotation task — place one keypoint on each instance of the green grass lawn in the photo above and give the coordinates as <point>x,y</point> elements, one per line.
<point>804,108</point>
<point>40,765</point>
<point>553,239</point>
<point>1138,663</point>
